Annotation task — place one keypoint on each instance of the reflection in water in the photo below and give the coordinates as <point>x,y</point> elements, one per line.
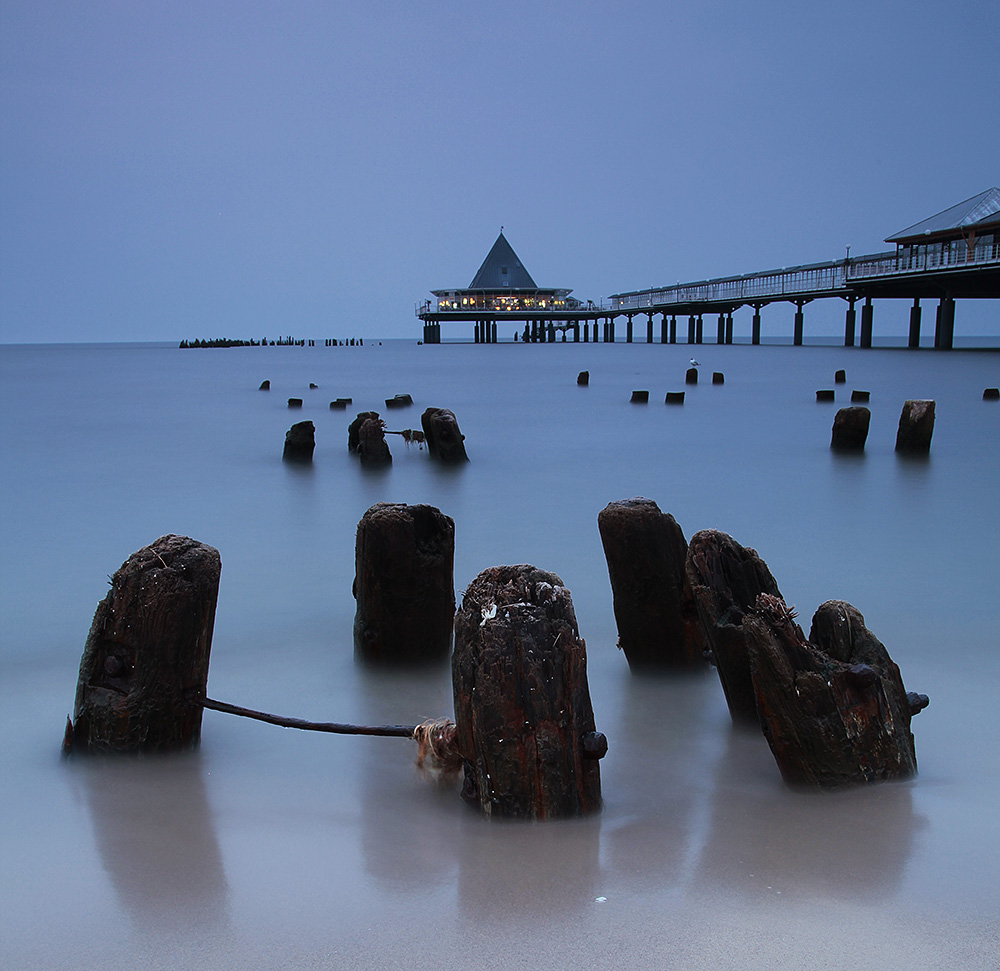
<point>851,844</point>
<point>656,763</point>
<point>513,869</point>
<point>155,834</point>
<point>407,820</point>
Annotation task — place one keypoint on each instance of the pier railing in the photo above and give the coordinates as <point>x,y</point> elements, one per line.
<point>806,281</point>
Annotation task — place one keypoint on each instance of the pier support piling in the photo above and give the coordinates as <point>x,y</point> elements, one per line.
<point>867,312</point>
<point>914,339</point>
<point>755,334</point>
<point>720,337</point>
<point>850,323</point>
<point>947,312</point>
<point>799,318</point>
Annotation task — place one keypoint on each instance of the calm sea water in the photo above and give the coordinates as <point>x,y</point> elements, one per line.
<point>273,848</point>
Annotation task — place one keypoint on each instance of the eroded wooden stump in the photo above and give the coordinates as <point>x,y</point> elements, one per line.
<point>404,584</point>
<point>300,442</point>
<point>833,709</point>
<point>725,580</point>
<point>658,625</point>
<point>916,426</point>
<point>445,441</point>
<point>145,663</point>
<point>850,429</point>
<point>524,720</point>
<point>373,449</point>
<point>354,429</point>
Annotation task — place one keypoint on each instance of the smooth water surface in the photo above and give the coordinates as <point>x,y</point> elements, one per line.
<point>272,848</point>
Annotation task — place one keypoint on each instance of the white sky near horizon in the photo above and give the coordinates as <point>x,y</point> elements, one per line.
<point>183,170</point>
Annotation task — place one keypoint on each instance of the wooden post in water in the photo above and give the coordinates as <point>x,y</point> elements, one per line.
<point>145,664</point>
<point>658,625</point>
<point>445,441</point>
<point>524,720</point>
<point>850,429</point>
<point>916,426</point>
<point>404,584</point>
<point>725,580</point>
<point>833,709</point>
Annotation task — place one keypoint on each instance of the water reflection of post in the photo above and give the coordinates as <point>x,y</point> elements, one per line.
<point>657,767</point>
<point>852,844</point>
<point>408,822</point>
<point>510,869</point>
<point>154,831</point>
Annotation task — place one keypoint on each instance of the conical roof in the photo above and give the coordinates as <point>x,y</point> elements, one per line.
<point>983,207</point>
<point>502,270</point>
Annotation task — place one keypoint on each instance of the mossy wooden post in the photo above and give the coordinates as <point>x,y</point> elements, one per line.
<point>725,580</point>
<point>404,584</point>
<point>658,626</point>
<point>833,709</point>
<point>524,720</point>
<point>145,663</point>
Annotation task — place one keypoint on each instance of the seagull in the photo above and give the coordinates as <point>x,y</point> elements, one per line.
<point>694,363</point>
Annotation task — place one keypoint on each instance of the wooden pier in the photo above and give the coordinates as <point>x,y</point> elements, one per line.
<point>953,255</point>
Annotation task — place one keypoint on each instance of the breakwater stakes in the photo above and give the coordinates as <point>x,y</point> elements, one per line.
<point>952,255</point>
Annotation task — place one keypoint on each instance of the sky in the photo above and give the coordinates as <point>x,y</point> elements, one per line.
<point>219,169</point>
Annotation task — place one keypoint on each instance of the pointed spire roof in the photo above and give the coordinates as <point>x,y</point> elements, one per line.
<point>502,270</point>
<point>980,208</point>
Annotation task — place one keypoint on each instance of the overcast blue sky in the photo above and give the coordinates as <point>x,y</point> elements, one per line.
<point>183,169</point>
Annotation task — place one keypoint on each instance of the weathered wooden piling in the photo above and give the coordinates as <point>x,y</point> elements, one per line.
<point>354,429</point>
<point>860,396</point>
<point>265,386</point>
<point>639,398</point>
<point>718,377</point>
<point>445,441</point>
<point>404,584</point>
<point>991,394</point>
<point>833,709</point>
<point>583,378</point>
<point>691,376</point>
<point>658,624</point>
<point>840,377</point>
<point>524,720</point>
<point>145,663</point>
<point>399,401</point>
<point>373,449</point>
<point>725,580</point>
<point>826,394</point>
<point>300,441</point>
<point>294,402</point>
<point>850,429</point>
<point>674,398</point>
<point>916,426</point>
